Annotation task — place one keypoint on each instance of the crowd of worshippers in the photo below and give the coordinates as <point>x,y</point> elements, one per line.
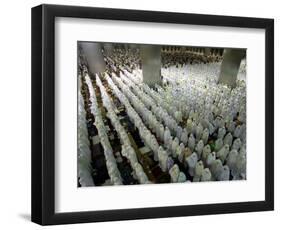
<point>183,57</point>
<point>95,95</point>
<point>130,59</point>
<point>195,131</point>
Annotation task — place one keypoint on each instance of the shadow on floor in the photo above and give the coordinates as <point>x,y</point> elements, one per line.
<point>25,216</point>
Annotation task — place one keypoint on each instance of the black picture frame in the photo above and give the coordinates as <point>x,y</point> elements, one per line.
<point>43,113</point>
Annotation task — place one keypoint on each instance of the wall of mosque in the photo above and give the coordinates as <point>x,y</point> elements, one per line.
<point>94,56</point>
<point>230,66</point>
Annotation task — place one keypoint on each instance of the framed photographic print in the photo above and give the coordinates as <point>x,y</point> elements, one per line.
<point>142,114</point>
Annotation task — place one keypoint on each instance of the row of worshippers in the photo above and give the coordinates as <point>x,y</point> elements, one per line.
<point>83,145</point>
<point>179,59</point>
<point>213,100</point>
<point>153,112</point>
<point>111,164</point>
<point>195,115</point>
<point>212,124</point>
<point>149,119</point>
<point>127,149</point>
<point>219,123</point>
<point>131,58</point>
<point>200,91</point>
<point>177,150</point>
<point>165,161</point>
<point>207,72</point>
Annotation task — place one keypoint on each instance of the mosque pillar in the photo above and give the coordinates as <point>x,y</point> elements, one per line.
<point>151,64</point>
<point>94,56</point>
<point>230,66</point>
<point>207,51</point>
<point>108,49</point>
<point>133,47</point>
<point>217,52</point>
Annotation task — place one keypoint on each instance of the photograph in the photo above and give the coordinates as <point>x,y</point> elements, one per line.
<point>151,114</point>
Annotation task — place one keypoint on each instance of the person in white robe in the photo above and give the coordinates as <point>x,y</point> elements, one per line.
<point>225,174</point>
<point>221,133</point>
<point>216,168</point>
<point>228,139</point>
<point>205,152</point>
<point>182,177</point>
<point>218,144</point>
<point>236,144</point>
<point>231,161</point>
<point>206,175</point>
<point>211,157</point>
<point>199,131</point>
<point>184,137</point>
<point>223,153</point>
<point>174,173</point>
<point>167,136</point>
<point>175,144</point>
<point>205,136</point>
<point>179,132</point>
<point>199,167</point>
<point>199,148</point>
<point>191,163</point>
<point>191,142</point>
<point>163,157</point>
<point>237,131</point>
